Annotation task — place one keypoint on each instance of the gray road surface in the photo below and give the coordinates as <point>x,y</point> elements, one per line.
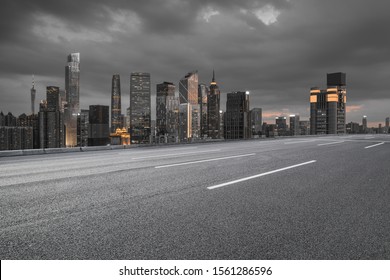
<point>297,198</point>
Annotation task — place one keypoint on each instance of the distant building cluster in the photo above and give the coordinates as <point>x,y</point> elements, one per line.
<point>189,113</point>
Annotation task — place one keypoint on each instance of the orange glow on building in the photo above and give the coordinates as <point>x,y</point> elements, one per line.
<point>332,98</point>
<point>120,137</point>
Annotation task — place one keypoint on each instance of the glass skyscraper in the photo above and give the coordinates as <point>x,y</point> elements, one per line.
<point>203,93</point>
<point>237,116</point>
<point>72,88</point>
<point>188,88</point>
<point>116,110</point>
<point>213,110</point>
<point>140,107</point>
<point>164,91</point>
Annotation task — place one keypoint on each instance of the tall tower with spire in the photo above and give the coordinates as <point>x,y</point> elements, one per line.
<point>72,88</point>
<point>213,107</point>
<point>33,93</point>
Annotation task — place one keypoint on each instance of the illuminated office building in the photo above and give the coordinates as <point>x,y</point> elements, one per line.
<point>213,111</point>
<point>237,116</point>
<point>140,107</point>
<point>116,110</point>
<point>188,88</point>
<point>72,91</point>
<point>328,107</point>
<point>185,122</point>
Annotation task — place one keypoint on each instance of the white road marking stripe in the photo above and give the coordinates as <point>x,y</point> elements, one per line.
<point>374,145</point>
<point>199,161</point>
<point>167,155</point>
<point>259,175</point>
<point>324,144</point>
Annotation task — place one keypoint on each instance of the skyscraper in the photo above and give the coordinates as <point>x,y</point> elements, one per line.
<point>213,110</point>
<point>140,107</point>
<point>387,121</point>
<point>185,122</point>
<point>328,107</point>
<point>203,92</point>
<point>51,121</point>
<point>33,93</point>
<point>188,88</point>
<point>256,121</point>
<point>237,116</point>
<point>364,124</point>
<point>116,110</point>
<point>99,130</point>
<point>164,91</point>
<point>72,89</point>
<point>82,128</point>
<point>294,125</point>
<point>281,125</point>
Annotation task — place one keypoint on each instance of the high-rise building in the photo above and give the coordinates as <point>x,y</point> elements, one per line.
<point>185,122</point>
<point>164,91</point>
<point>364,124</point>
<point>213,111</point>
<point>256,121</point>
<point>281,126</point>
<point>33,94</point>
<point>304,127</point>
<point>195,122</point>
<point>294,125</point>
<point>203,92</point>
<point>82,128</point>
<point>10,120</point>
<point>72,89</point>
<point>237,116</point>
<point>172,124</point>
<point>328,107</point>
<point>387,126</point>
<point>2,119</point>
<point>188,88</point>
<point>140,107</point>
<point>116,109</point>
<point>99,125</point>
<point>51,120</point>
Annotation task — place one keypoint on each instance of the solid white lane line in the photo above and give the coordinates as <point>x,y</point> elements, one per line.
<point>181,154</point>
<point>259,175</point>
<point>298,142</point>
<point>374,145</point>
<point>324,144</point>
<point>199,161</point>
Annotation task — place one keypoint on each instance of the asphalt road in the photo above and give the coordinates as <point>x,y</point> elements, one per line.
<point>297,198</point>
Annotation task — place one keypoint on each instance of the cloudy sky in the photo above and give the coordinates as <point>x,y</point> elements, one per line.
<point>275,49</point>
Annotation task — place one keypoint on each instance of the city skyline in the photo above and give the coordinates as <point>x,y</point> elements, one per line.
<point>276,52</point>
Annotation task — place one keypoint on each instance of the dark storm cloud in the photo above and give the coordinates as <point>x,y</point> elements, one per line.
<point>275,49</point>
